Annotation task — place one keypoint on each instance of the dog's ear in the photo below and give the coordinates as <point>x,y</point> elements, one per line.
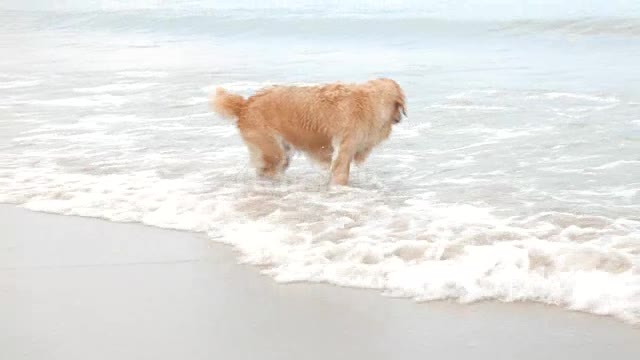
<point>401,108</point>
<point>400,105</point>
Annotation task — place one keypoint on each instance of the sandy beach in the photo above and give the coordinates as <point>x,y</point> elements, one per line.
<point>82,288</point>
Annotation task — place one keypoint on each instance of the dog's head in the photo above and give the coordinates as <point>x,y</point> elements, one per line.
<point>395,96</point>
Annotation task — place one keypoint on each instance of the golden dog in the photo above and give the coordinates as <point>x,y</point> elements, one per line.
<point>333,124</point>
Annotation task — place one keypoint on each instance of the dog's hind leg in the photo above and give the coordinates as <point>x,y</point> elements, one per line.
<point>267,154</point>
<point>288,154</point>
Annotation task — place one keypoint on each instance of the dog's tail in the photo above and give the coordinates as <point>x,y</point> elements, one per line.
<point>226,104</point>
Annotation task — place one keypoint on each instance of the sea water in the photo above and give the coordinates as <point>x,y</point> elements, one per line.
<point>516,176</point>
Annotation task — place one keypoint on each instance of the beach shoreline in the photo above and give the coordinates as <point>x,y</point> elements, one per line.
<point>77,288</point>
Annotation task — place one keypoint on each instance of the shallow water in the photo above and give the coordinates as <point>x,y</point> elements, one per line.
<point>515,177</point>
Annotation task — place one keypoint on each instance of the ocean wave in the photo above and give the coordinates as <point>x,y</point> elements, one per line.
<point>116,87</point>
<point>12,84</point>
<point>236,23</point>
<point>469,107</point>
<point>578,27</point>
<point>143,74</point>
<point>587,97</point>
<point>81,101</point>
<point>614,164</point>
<point>420,249</point>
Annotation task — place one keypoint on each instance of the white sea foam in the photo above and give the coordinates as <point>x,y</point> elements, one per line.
<point>196,100</point>
<point>587,97</point>
<point>143,74</point>
<point>457,162</point>
<point>12,84</point>
<point>623,192</point>
<point>467,107</point>
<point>82,101</point>
<point>498,134</point>
<point>109,88</point>
<point>420,248</point>
<point>468,94</point>
<point>614,164</point>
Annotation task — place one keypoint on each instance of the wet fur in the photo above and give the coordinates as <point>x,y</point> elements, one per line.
<point>334,124</point>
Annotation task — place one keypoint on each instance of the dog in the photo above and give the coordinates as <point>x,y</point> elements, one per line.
<point>334,124</point>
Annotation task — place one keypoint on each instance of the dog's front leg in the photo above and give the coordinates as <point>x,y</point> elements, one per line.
<point>362,155</point>
<point>341,163</point>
